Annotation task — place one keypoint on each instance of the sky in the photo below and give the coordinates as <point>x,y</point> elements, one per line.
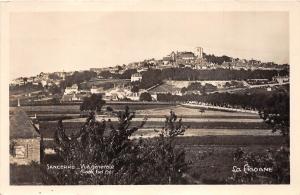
<point>57,41</point>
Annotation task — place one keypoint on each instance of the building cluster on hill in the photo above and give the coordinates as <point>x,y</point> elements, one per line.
<point>180,59</point>
<point>43,79</point>
<point>118,92</point>
<point>68,85</point>
<point>200,60</point>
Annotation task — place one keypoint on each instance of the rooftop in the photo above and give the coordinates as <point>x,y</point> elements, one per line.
<point>21,125</point>
<point>74,86</point>
<point>164,88</point>
<point>136,74</point>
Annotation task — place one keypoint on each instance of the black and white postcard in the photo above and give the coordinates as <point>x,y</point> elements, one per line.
<point>130,93</point>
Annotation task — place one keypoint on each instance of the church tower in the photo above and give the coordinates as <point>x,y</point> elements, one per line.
<point>199,52</point>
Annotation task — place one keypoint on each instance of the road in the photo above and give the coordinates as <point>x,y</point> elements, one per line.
<point>194,105</point>
<point>247,87</point>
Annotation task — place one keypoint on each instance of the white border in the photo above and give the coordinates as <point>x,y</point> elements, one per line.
<point>293,7</point>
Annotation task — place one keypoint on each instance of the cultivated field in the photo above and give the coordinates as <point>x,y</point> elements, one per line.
<point>210,122</point>
<point>213,164</point>
<point>209,142</point>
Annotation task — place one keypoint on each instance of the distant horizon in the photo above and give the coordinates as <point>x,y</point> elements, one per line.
<point>88,68</point>
<point>70,41</point>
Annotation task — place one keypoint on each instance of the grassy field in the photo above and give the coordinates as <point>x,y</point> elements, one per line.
<point>149,110</point>
<point>222,140</point>
<point>216,128</point>
<point>182,111</point>
<point>59,115</point>
<point>25,175</point>
<point>209,143</point>
<point>63,109</point>
<point>210,158</point>
<point>213,164</point>
<point>209,164</point>
<point>75,109</point>
<point>200,124</point>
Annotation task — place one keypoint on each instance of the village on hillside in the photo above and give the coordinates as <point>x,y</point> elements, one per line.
<point>189,112</point>
<point>175,74</point>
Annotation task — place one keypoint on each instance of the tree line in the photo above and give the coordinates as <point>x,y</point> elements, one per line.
<point>200,88</point>
<point>216,59</point>
<point>254,101</point>
<point>157,76</point>
<point>79,77</point>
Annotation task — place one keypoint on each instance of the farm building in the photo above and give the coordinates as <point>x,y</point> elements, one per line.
<point>136,77</point>
<point>281,79</point>
<point>73,98</point>
<point>25,140</point>
<point>71,90</point>
<point>165,89</point>
<point>97,90</point>
<point>116,94</point>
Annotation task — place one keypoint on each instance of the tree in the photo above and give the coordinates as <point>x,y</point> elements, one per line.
<point>183,90</point>
<point>135,89</point>
<point>54,89</point>
<point>55,100</point>
<point>208,88</point>
<point>25,80</point>
<point>54,76</point>
<point>145,97</point>
<point>79,77</point>
<point>169,162</point>
<point>276,112</point>
<point>109,109</point>
<point>277,161</point>
<point>119,67</point>
<point>92,103</point>
<point>108,147</point>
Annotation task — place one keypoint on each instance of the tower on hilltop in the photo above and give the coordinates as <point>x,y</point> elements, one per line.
<point>199,52</point>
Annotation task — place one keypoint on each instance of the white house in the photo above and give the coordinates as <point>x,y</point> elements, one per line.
<point>96,90</point>
<point>44,83</point>
<point>71,90</point>
<point>135,96</point>
<point>18,81</point>
<point>116,94</point>
<point>136,77</point>
<point>281,79</point>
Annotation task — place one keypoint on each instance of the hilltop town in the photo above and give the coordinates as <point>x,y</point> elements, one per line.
<point>219,98</point>
<point>168,95</point>
<point>178,73</point>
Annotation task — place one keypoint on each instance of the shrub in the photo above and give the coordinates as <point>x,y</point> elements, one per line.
<point>129,161</point>
<point>276,161</point>
<point>109,109</point>
<point>276,112</point>
<point>92,103</point>
<point>145,97</point>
